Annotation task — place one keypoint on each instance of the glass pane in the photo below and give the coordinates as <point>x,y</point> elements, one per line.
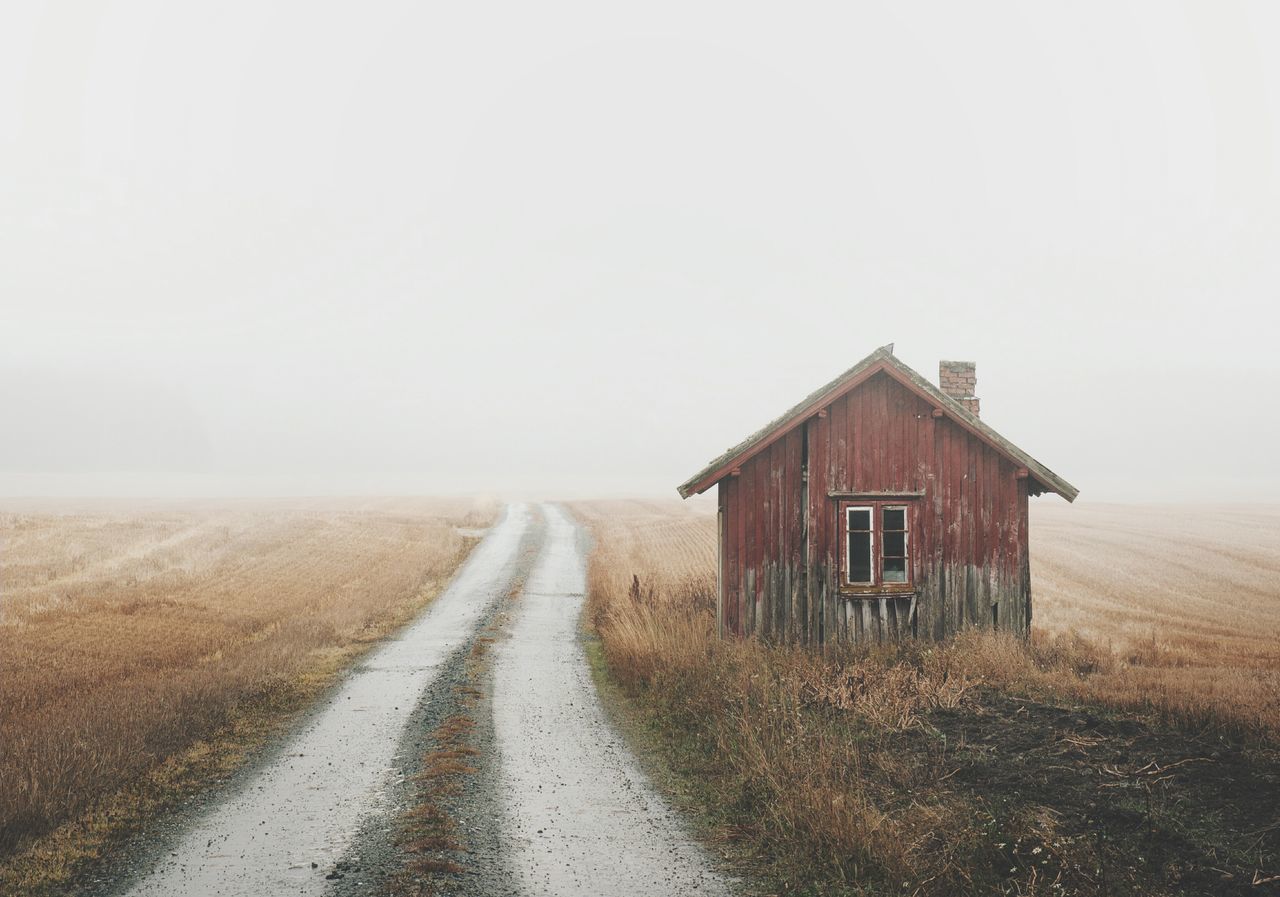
<point>860,518</point>
<point>895,518</point>
<point>895,569</point>
<point>895,545</point>
<point>859,557</point>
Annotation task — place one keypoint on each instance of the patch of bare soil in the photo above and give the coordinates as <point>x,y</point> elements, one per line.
<point>1090,803</point>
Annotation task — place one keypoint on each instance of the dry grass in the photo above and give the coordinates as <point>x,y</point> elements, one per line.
<point>1175,609</point>
<point>837,768</point>
<point>133,638</point>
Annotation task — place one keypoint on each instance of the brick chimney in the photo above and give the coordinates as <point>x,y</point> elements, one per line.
<point>958,379</point>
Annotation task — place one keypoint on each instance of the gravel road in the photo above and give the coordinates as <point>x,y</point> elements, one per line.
<point>559,805</point>
<point>281,831</point>
<point>579,817</point>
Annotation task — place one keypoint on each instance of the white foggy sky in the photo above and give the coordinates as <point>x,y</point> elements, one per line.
<point>277,248</point>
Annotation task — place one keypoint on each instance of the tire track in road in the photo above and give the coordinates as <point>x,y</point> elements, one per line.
<point>282,830</point>
<point>579,817</point>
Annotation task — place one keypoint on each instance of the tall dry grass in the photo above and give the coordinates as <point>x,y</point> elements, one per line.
<point>805,751</point>
<point>1170,609</point>
<point>129,634</point>
<point>781,765</point>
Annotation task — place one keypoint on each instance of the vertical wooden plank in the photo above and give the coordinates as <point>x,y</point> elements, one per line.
<point>796,510</point>
<point>840,454</point>
<point>838,479</point>
<point>773,554</point>
<point>982,541</point>
<point>765,533</point>
<point>901,402</point>
<point>720,559</point>
<point>880,411</point>
<point>818,525</point>
<point>958,528</point>
<point>949,527</point>
<point>783,491</point>
<point>751,499</point>
<point>860,428</point>
<point>739,566</point>
<point>991,507</point>
<point>971,528</point>
<point>732,582</point>
<point>856,429</point>
<point>914,424</point>
<point>930,619</point>
<point>1024,548</point>
<point>746,517</point>
<point>782,540</point>
<point>763,543</point>
<point>790,494</point>
<point>1012,617</point>
<point>893,426</point>
<point>777,496</point>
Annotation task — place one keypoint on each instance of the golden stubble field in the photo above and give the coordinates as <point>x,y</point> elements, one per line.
<point>138,640</point>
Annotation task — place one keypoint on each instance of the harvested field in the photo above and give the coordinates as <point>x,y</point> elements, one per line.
<point>137,640</point>
<point>1185,599</point>
<point>1135,755</point>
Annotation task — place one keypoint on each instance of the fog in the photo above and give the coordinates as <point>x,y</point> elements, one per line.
<point>255,248</point>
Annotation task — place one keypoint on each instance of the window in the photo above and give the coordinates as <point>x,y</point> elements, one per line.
<point>877,546</point>
<point>893,523</point>
<point>861,546</point>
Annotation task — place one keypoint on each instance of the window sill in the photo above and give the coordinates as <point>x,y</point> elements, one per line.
<point>901,591</point>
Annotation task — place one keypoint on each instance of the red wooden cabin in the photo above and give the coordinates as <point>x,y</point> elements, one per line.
<point>880,506</point>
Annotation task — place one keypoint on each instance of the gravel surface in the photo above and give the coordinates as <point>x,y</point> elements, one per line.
<point>579,817</point>
<point>283,829</point>
<point>374,861</point>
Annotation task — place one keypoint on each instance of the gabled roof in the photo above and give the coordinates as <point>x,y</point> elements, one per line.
<point>881,359</point>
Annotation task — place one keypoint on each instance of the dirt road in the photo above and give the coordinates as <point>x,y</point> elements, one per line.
<point>560,806</point>
<point>303,807</point>
<point>578,815</point>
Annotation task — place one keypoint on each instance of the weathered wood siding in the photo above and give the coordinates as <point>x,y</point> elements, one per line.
<point>969,525</point>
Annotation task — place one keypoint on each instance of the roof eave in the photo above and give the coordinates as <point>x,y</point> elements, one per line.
<point>721,466</point>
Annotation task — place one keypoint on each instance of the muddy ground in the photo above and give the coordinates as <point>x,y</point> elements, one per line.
<point>1112,804</point>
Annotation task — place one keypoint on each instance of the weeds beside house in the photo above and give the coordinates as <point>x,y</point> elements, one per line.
<point>983,765</point>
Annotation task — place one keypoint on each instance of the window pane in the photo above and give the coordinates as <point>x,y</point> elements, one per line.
<point>859,557</point>
<point>860,518</point>
<point>895,569</point>
<point>895,518</point>
<point>895,545</point>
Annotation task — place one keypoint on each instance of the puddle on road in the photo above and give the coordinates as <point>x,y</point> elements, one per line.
<point>304,807</point>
